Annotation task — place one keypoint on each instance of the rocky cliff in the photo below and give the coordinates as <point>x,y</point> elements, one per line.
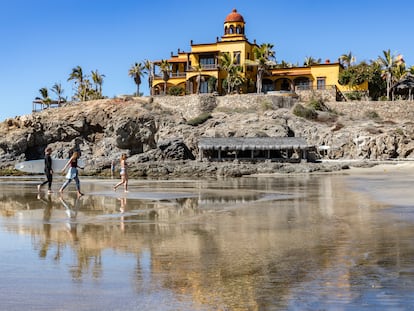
<point>160,141</point>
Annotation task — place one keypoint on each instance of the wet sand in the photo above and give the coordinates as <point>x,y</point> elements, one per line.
<point>338,241</point>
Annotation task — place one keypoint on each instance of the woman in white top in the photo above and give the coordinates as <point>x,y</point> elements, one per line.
<point>72,173</point>
<point>124,174</point>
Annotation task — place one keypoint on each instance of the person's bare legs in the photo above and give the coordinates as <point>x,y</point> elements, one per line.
<point>64,185</point>
<point>126,183</point>
<point>123,180</point>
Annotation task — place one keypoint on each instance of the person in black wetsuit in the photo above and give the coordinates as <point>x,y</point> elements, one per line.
<point>48,171</point>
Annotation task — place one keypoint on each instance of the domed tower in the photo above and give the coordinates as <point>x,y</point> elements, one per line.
<point>234,27</point>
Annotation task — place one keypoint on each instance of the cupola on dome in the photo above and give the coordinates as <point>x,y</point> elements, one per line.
<point>234,17</point>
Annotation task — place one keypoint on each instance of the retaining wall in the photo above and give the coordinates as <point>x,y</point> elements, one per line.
<point>386,110</point>
<point>190,106</point>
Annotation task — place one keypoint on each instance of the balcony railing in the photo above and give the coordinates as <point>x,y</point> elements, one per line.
<point>308,87</point>
<point>209,66</point>
<point>172,75</point>
<point>205,67</point>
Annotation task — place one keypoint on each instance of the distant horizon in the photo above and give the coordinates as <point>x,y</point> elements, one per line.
<point>48,39</point>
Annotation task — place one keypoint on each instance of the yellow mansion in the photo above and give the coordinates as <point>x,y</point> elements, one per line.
<point>196,71</point>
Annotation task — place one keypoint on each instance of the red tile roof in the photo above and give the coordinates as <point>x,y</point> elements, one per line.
<point>234,17</point>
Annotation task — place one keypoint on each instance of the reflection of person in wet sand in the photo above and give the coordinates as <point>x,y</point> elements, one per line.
<point>123,204</point>
<point>47,213</point>
<point>124,174</point>
<point>72,213</point>
<point>122,210</point>
<point>48,208</point>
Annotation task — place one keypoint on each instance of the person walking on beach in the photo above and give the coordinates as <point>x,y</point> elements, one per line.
<point>124,174</point>
<point>72,173</point>
<point>48,171</point>
<point>112,168</point>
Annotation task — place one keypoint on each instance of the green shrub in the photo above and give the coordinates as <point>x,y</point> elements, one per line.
<point>200,119</point>
<point>383,98</point>
<point>176,91</point>
<point>11,172</point>
<point>354,95</point>
<point>317,104</point>
<point>372,114</point>
<point>266,105</point>
<point>303,112</point>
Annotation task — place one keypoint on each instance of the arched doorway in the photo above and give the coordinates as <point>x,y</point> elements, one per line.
<point>285,85</point>
<point>267,86</point>
<point>203,88</point>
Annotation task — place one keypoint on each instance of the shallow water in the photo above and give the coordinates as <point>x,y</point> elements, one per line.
<point>320,242</point>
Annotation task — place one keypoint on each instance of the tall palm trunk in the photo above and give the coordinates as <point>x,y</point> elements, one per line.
<point>259,82</point>
<point>388,85</point>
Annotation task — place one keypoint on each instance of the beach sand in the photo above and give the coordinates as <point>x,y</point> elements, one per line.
<point>399,167</point>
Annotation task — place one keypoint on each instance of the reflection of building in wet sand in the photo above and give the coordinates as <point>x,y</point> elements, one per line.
<point>250,258</point>
<point>234,268</point>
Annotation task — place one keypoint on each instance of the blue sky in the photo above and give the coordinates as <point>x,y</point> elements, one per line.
<point>42,40</point>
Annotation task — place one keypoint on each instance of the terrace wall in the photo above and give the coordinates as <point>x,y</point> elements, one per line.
<point>386,110</point>
<point>191,106</point>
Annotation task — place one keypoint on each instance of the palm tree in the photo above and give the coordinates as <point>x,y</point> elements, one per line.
<point>136,72</point>
<point>149,70</point>
<point>309,61</point>
<point>347,59</point>
<point>45,99</point>
<point>399,73</point>
<point>97,78</point>
<point>234,77</point>
<point>77,75</point>
<point>284,64</point>
<point>226,63</point>
<point>58,90</point>
<point>199,78</point>
<point>212,84</point>
<point>263,59</point>
<point>165,70</point>
<point>86,92</point>
<point>388,62</point>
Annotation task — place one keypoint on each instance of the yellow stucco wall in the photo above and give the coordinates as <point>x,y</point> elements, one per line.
<point>237,42</point>
<point>328,71</point>
<point>346,88</point>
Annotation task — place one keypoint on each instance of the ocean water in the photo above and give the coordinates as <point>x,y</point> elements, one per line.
<point>305,242</point>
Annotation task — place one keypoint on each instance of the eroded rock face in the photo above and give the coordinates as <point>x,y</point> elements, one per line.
<point>147,132</point>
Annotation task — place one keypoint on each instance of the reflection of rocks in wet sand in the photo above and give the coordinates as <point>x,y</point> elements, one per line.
<point>295,238</point>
